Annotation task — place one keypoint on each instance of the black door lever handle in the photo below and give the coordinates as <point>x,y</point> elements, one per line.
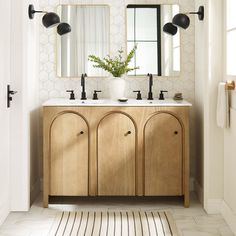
<point>12,92</point>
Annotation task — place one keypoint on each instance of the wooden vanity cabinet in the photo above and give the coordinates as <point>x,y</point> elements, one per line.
<point>68,155</point>
<point>163,156</point>
<point>116,151</point>
<point>116,156</point>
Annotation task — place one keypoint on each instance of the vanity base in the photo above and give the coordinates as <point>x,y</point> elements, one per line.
<point>116,151</point>
<point>110,199</point>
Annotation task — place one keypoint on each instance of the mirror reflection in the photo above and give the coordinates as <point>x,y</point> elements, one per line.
<point>90,35</point>
<point>157,52</point>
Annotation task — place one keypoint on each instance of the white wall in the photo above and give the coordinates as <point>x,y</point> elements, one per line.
<point>216,147</point>
<point>209,72</point>
<point>201,73</point>
<point>229,200</point>
<point>213,152</point>
<point>52,86</point>
<point>33,105</point>
<point>32,71</point>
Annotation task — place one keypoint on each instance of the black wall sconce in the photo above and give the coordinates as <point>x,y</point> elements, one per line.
<point>182,20</point>
<point>50,19</point>
<point>63,28</point>
<point>169,28</point>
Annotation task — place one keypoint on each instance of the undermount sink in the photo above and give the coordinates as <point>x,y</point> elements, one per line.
<point>108,102</point>
<point>88,102</point>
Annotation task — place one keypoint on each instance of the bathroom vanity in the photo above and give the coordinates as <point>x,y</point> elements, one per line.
<point>108,148</point>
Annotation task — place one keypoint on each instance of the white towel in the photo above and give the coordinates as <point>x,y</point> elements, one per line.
<point>222,114</point>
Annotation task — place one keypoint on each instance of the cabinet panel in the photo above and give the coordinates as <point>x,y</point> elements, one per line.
<point>163,156</point>
<point>69,156</point>
<point>116,155</point>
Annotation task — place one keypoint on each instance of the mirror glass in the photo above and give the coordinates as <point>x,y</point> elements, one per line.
<point>157,52</point>
<point>89,36</point>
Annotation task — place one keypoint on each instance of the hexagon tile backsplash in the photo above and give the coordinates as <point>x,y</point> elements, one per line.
<point>51,86</point>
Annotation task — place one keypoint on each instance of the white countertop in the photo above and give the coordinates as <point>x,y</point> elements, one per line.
<point>111,103</point>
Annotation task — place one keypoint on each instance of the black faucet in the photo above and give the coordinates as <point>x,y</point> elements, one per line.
<point>139,96</point>
<point>83,93</point>
<point>150,96</point>
<point>95,95</point>
<point>161,95</point>
<point>72,95</point>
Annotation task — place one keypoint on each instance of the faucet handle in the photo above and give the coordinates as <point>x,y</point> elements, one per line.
<point>139,96</point>
<point>161,95</point>
<point>72,95</point>
<point>95,95</point>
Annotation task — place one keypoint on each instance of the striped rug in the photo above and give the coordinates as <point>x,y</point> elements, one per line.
<point>137,223</point>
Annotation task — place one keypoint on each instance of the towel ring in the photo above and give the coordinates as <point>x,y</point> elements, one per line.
<point>230,85</point>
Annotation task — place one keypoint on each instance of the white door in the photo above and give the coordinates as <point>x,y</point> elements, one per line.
<point>17,58</point>
<point>4,111</point>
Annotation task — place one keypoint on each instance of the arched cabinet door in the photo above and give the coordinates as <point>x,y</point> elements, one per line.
<point>116,156</point>
<point>69,156</point>
<point>163,149</point>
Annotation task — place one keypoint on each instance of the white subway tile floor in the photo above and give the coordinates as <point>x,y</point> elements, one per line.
<point>192,221</point>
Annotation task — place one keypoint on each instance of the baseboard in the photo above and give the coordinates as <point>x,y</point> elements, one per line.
<point>229,216</point>
<point>35,190</point>
<point>199,191</point>
<point>4,212</point>
<point>214,206</point>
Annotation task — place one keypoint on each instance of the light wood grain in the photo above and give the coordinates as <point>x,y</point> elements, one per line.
<point>138,117</point>
<point>116,156</point>
<point>69,156</point>
<point>163,156</point>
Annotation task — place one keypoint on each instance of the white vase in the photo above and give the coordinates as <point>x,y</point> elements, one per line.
<point>117,88</point>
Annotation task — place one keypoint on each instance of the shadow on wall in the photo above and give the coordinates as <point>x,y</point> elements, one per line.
<point>35,154</point>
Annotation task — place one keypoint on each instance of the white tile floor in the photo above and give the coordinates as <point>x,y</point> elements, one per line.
<point>191,221</point>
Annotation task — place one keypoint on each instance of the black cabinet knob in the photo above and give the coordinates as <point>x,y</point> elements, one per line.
<point>176,132</point>
<point>81,132</point>
<point>129,132</point>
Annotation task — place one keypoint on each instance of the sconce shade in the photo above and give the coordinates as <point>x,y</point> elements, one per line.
<point>181,20</point>
<point>169,28</point>
<point>50,19</point>
<point>63,28</point>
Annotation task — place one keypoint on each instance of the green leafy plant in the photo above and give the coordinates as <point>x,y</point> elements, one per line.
<point>116,66</point>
